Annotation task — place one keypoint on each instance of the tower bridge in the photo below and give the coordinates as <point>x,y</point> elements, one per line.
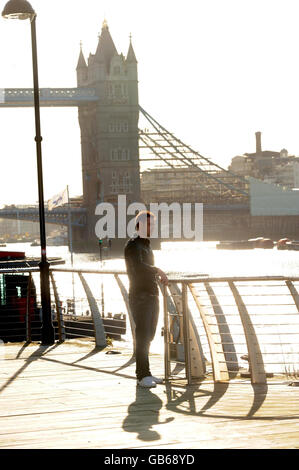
<point>116,152</point>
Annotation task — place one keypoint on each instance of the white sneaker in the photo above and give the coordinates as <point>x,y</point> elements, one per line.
<point>157,380</point>
<point>147,382</point>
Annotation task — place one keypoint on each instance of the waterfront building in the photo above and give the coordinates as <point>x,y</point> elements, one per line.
<point>269,166</point>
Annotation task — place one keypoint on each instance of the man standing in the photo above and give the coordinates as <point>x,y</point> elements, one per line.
<point>143,294</point>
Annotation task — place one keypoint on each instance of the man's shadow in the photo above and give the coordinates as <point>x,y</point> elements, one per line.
<point>143,414</point>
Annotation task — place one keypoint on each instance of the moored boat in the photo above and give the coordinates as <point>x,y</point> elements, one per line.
<point>16,304</point>
<point>78,326</point>
<point>57,241</point>
<point>235,245</point>
<point>18,259</point>
<point>266,243</point>
<point>250,244</point>
<point>286,244</point>
<point>281,243</point>
<point>18,296</point>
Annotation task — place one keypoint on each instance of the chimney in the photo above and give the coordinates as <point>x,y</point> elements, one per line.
<point>258,143</point>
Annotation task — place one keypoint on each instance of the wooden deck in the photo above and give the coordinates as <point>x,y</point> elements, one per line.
<point>73,396</point>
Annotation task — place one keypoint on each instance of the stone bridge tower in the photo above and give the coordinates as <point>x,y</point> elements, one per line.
<point>109,127</point>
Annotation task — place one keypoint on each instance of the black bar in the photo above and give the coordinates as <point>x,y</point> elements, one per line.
<point>48,334</point>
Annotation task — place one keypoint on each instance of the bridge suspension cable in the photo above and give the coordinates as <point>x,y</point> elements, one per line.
<point>209,181</point>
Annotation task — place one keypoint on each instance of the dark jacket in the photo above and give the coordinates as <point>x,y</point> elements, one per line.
<point>140,266</point>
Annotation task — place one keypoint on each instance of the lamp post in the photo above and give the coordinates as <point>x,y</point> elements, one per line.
<point>22,10</point>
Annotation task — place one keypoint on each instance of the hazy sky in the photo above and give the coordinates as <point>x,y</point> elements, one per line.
<point>211,71</point>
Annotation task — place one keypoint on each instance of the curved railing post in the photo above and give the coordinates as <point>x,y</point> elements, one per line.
<point>100,335</point>
<point>61,329</point>
<point>294,293</point>
<point>198,366</point>
<point>166,333</point>
<point>256,363</point>
<point>220,370</point>
<point>28,316</point>
<point>125,295</point>
<point>186,331</point>
<point>226,339</point>
<point>174,325</point>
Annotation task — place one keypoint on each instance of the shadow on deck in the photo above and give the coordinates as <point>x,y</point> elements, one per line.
<point>72,395</point>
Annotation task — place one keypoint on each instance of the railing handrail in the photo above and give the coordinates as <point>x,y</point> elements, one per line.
<point>186,278</point>
<point>173,276</point>
<point>88,271</point>
<point>233,279</point>
<point>19,270</point>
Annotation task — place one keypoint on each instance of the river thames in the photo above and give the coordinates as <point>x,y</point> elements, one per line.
<point>195,257</point>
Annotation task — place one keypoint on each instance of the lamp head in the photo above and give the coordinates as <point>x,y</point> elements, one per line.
<point>18,9</point>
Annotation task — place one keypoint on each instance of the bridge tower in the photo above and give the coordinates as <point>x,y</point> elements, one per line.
<point>109,127</point>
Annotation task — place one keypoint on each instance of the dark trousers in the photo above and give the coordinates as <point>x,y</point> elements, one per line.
<point>145,311</point>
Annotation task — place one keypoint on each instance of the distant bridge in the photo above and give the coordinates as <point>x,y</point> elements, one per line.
<point>59,97</point>
<point>59,216</point>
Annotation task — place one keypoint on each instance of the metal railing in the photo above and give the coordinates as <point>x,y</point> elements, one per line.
<point>229,326</point>
<point>242,320</point>
<point>92,303</point>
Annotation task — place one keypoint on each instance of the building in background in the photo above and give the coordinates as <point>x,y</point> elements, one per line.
<point>269,166</point>
<point>183,185</point>
<point>175,185</point>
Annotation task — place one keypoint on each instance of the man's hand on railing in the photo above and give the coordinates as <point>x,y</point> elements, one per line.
<point>163,278</point>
